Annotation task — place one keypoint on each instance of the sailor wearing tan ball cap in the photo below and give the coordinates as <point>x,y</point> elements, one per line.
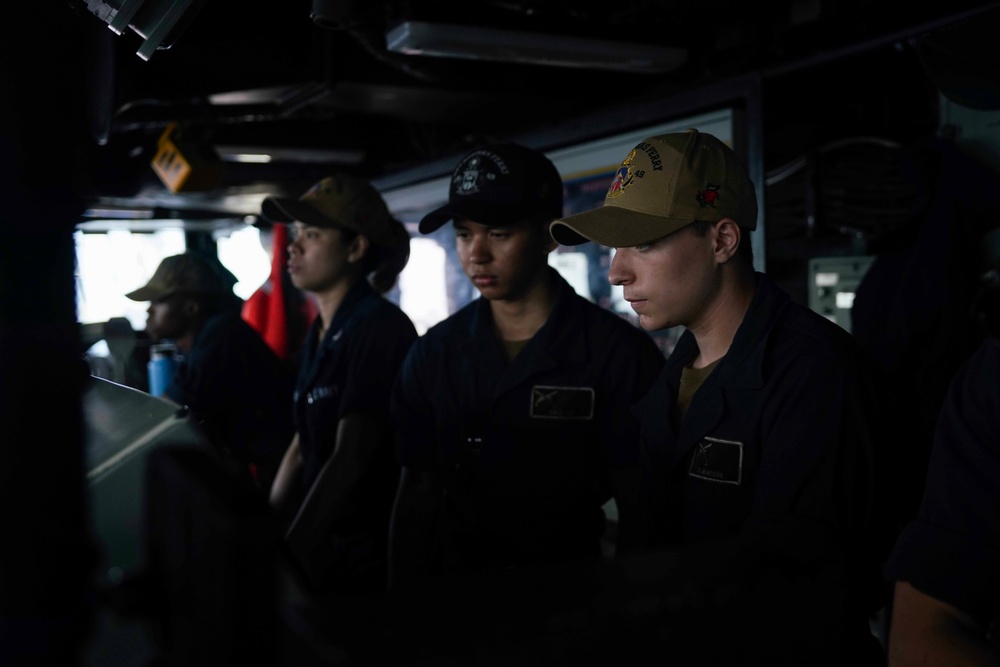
<point>334,490</point>
<point>665,183</point>
<point>762,429</point>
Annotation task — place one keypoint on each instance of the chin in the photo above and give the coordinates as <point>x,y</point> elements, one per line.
<point>492,293</point>
<point>648,324</point>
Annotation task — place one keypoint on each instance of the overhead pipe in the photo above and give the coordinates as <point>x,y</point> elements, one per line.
<point>871,45</point>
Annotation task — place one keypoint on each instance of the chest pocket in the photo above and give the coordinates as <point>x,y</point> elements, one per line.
<point>548,402</point>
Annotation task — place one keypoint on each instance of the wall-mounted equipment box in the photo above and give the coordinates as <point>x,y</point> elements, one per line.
<point>832,284</point>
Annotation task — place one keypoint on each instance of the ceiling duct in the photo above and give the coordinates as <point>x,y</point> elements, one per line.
<point>417,38</point>
<point>158,22</point>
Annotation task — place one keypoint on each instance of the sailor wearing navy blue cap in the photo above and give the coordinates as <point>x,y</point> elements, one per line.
<point>512,415</point>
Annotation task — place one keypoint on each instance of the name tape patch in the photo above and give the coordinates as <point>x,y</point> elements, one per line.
<point>562,402</point>
<point>718,461</point>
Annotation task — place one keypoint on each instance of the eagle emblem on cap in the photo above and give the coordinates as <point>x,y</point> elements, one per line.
<point>467,180</point>
<point>470,176</point>
<point>623,177</point>
<point>708,196</point>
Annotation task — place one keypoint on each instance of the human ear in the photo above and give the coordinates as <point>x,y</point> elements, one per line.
<point>728,237</point>
<point>359,246</point>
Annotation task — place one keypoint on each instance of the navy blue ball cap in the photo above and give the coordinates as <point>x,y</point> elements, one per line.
<point>500,184</point>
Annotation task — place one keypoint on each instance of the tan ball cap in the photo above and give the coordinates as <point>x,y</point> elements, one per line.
<point>337,201</point>
<point>664,184</point>
<point>185,273</point>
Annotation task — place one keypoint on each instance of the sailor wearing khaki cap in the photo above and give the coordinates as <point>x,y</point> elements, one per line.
<point>664,184</point>
<point>236,388</point>
<point>338,477</point>
<point>186,273</point>
<point>762,429</point>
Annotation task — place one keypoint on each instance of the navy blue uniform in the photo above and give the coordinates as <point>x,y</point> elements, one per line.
<point>780,439</point>
<point>239,391</point>
<point>952,551</point>
<point>352,372</point>
<point>525,448</point>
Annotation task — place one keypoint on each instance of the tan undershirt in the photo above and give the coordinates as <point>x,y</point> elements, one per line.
<point>691,380</point>
<point>514,347</point>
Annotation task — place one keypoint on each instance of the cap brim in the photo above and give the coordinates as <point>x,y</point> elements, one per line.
<point>486,213</point>
<point>433,220</point>
<point>147,293</point>
<point>281,209</point>
<point>613,226</point>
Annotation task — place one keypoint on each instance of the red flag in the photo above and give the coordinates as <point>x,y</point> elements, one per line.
<point>278,310</point>
<point>276,331</point>
<point>265,309</point>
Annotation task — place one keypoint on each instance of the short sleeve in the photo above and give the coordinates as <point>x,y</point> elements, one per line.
<point>952,551</point>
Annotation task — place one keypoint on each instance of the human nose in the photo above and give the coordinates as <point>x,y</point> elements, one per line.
<point>479,251</point>
<point>620,272</point>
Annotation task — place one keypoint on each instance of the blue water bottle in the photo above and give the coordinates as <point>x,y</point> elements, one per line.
<point>161,367</point>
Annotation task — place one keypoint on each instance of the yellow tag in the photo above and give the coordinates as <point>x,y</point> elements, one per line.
<point>168,163</point>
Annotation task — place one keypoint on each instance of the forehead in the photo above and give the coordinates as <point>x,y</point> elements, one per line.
<point>466,224</point>
<point>687,231</point>
<point>169,299</point>
<point>299,227</point>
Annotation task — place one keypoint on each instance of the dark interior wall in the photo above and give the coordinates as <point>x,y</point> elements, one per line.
<point>46,556</point>
<point>836,134</point>
<point>849,141</point>
<point>860,163</point>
